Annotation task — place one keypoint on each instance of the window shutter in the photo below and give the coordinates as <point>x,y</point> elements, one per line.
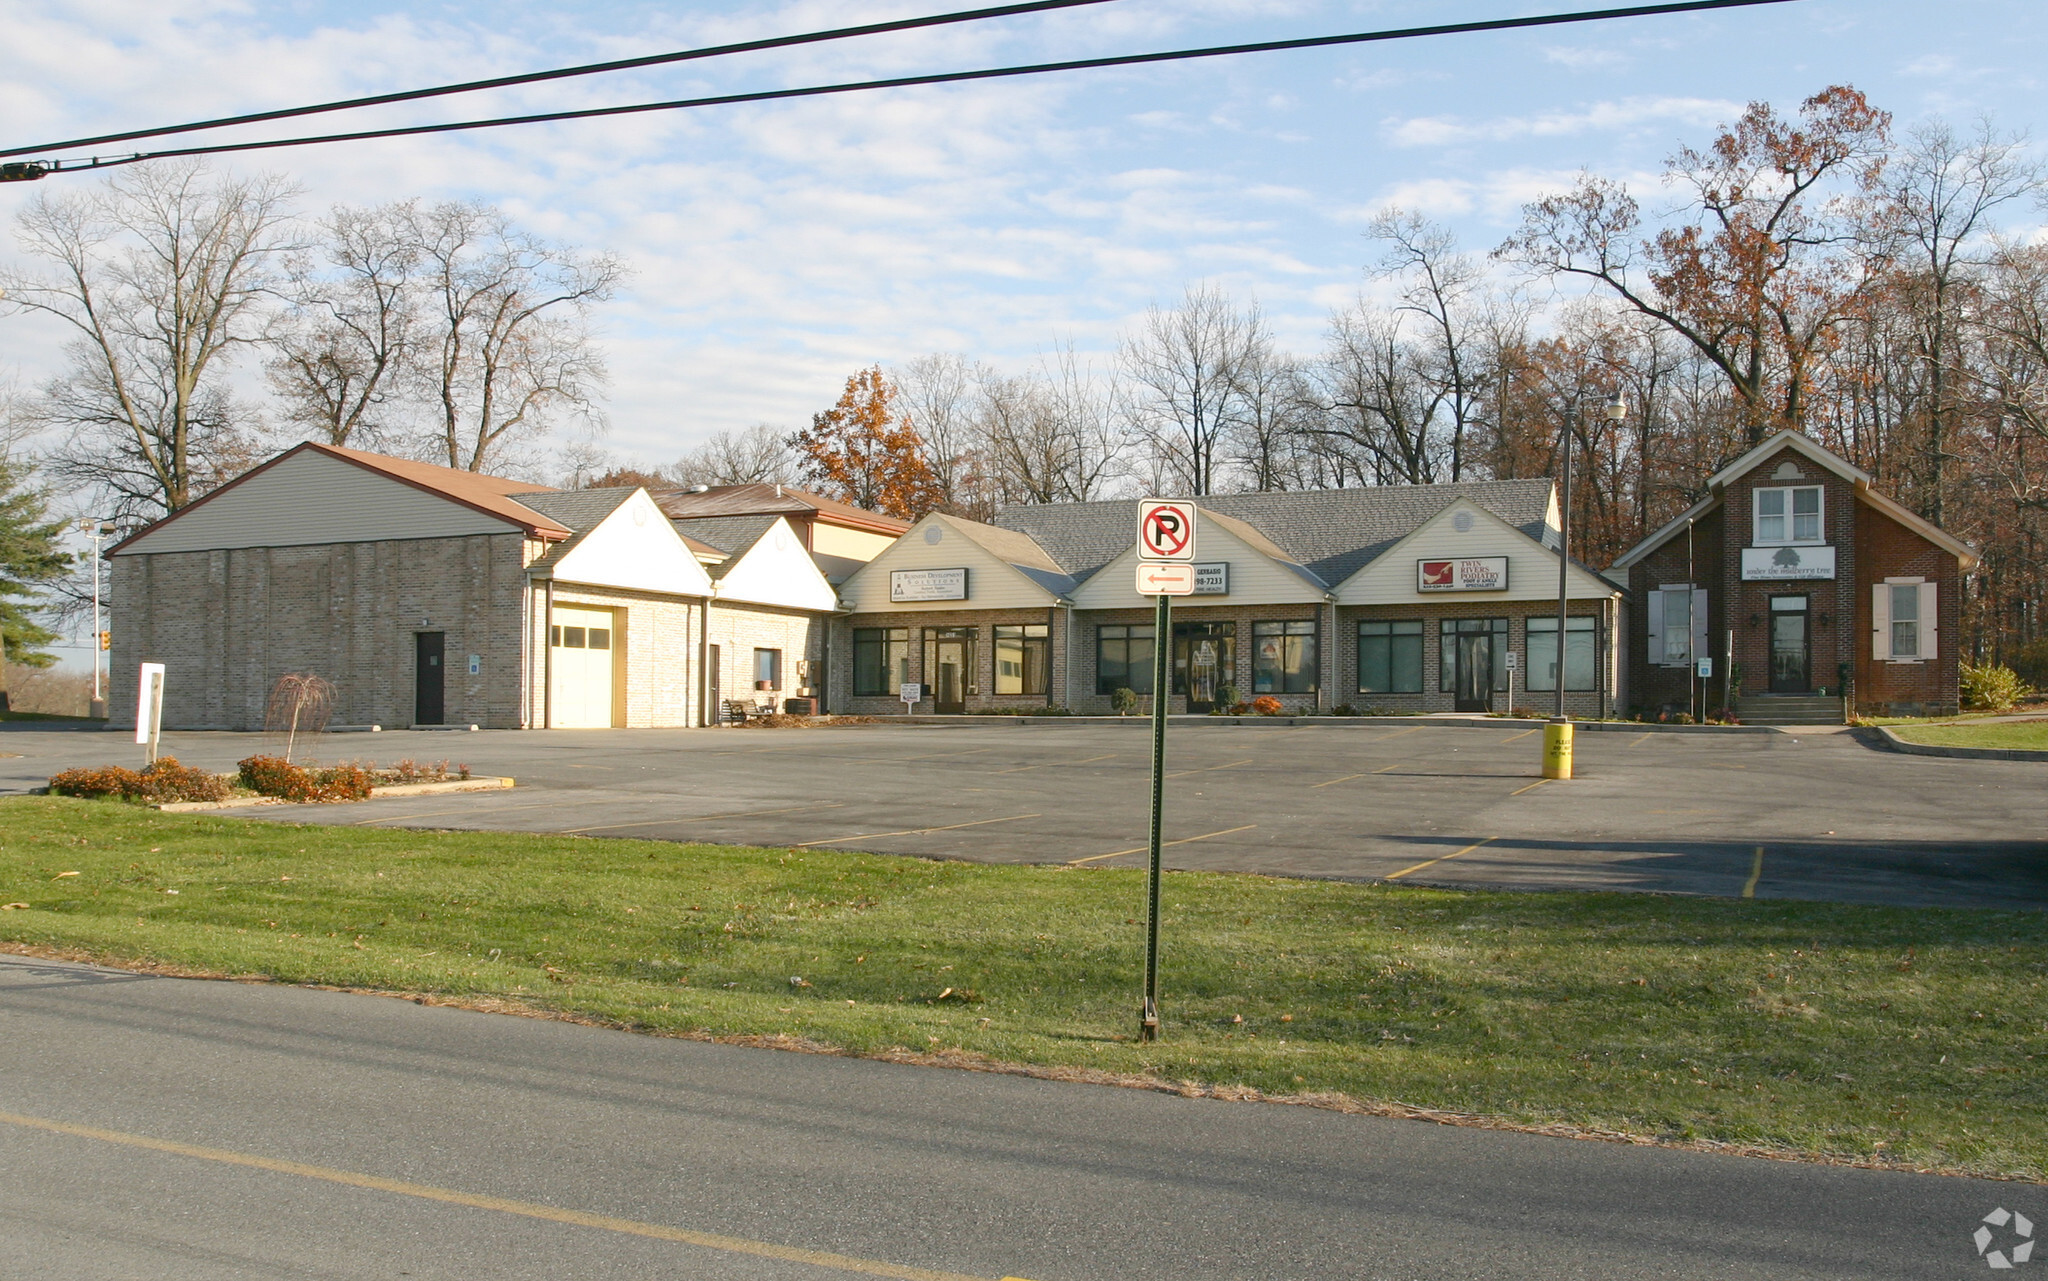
<point>1656,621</point>
<point>1699,625</point>
<point>1929,596</point>
<point>1881,621</point>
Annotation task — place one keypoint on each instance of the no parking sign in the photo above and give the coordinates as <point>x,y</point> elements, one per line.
<point>1166,531</point>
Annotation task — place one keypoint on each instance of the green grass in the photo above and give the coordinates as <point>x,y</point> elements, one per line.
<point>2029,735</point>
<point>1853,1032</point>
<point>50,716</point>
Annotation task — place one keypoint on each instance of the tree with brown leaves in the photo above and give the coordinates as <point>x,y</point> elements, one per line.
<point>862,451</point>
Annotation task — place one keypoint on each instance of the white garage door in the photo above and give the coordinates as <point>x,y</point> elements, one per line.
<point>584,644</point>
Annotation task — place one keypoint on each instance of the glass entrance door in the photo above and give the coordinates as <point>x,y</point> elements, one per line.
<point>1473,688</point>
<point>1204,661</point>
<point>952,671</point>
<point>1790,651</point>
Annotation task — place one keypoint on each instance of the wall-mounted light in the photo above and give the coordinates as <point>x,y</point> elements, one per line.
<point>1754,619</point>
<point>1825,621</point>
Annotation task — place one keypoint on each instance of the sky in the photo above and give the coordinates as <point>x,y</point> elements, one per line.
<point>776,248</point>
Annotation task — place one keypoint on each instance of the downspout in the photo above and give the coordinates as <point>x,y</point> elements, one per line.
<point>705,712</point>
<point>547,667</point>
<point>1326,657</point>
<point>1067,659</point>
<point>1050,611</point>
<point>526,653</point>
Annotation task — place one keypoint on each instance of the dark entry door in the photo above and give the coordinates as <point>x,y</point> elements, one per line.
<point>1790,651</point>
<point>1204,662</point>
<point>952,673</point>
<point>714,664</point>
<point>1473,681</point>
<point>429,678</point>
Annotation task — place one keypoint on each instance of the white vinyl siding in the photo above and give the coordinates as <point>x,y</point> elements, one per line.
<point>312,499</point>
<point>777,570</point>
<point>1390,578</point>
<point>635,548</point>
<point>1903,622</point>
<point>992,582</point>
<point>1255,578</point>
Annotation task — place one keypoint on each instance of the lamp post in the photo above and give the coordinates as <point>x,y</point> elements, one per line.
<point>98,531</point>
<point>1557,735</point>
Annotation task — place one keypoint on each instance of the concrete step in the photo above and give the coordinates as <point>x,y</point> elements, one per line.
<point>1789,709</point>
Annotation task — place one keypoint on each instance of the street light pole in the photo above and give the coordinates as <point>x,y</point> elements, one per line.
<point>97,531</point>
<point>1557,735</point>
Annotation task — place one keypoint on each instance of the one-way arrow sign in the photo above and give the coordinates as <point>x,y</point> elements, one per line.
<point>1171,578</point>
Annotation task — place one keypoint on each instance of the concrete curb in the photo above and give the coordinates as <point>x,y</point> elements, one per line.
<point>1897,744</point>
<point>483,784</point>
<point>1334,722</point>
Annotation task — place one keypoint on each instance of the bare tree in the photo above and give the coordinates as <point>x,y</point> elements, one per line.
<point>503,331</point>
<point>937,392</point>
<point>1380,399</point>
<point>1182,372</point>
<point>1052,435</point>
<point>1438,286</point>
<point>343,345</point>
<point>757,456</point>
<point>159,276</point>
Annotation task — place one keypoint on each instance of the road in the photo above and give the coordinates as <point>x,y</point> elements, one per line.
<point>1771,815</point>
<point>173,1129</point>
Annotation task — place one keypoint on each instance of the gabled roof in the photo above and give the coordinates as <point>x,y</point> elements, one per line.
<point>1017,549</point>
<point>1330,532</point>
<point>491,495</point>
<point>771,499</point>
<point>582,510</point>
<point>1258,542</point>
<point>730,536</point>
<point>1592,577</point>
<point>1822,457</point>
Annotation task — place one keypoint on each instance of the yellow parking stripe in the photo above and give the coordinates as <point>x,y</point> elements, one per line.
<point>911,831</point>
<point>1432,862</point>
<point>1524,734</point>
<point>703,818</point>
<point>1756,871</point>
<point>503,1205</point>
<point>1142,849</point>
<point>1085,760</point>
<point>1206,768</point>
<point>1530,788</point>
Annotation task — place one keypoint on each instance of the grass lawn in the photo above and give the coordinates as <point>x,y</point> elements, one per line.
<point>2022,734</point>
<point>1859,1033</point>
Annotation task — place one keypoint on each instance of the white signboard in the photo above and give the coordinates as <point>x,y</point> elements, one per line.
<point>911,695</point>
<point>1166,531</point>
<point>1462,574</point>
<point>927,584</point>
<point>1706,668</point>
<point>149,703</point>
<point>1170,578</point>
<point>1212,579</point>
<point>1787,563</point>
<point>1514,661</point>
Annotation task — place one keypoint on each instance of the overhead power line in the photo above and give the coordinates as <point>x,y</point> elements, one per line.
<point>21,171</point>
<point>565,73</point>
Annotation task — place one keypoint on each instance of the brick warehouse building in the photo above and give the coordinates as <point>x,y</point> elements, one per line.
<point>1320,599</point>
<point>432,596</point>
<point>1811,593</point>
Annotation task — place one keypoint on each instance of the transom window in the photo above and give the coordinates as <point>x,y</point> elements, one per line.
<point>1790,514</point>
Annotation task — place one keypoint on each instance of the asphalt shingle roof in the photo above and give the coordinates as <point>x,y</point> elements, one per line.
<point>581,510</point>
<point>1332,532</point>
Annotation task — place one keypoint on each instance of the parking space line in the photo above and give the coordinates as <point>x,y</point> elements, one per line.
<point>911,831</point>
<point>1206,768</point>
<point>935,756</point>
<point>1142,849</point>
<point>1644,739</point>
<point>702,818</point>
<point>503,1205</point>
<point>1432,862</point>
<point>471,809</point>
<point>1530,788</point>
<point>1524,734</point>
<point>1397,733</point>
<point>1019,769</point>
<point>1333,782</point>
<point>1756,871</point>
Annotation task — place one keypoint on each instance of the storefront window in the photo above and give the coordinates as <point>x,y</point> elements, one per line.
<point>1460,640</point>
<point>1581,653</point>
<point>1023,652</point>
<point>1390,656</point>
<point>1284,657</point>
<point>1123,658</point>
<point>881,660</point>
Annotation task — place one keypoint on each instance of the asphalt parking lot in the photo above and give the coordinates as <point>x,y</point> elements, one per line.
<point>1764,815</point>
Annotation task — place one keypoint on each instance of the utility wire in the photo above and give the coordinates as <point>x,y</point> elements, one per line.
<point>19,171</point>
<point>565,73</point>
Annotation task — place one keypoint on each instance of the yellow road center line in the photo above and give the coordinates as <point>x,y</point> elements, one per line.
<point>912,831</point>
<point>1756,871</point>
<point>1524,734</point>
<point>504,1205</point>
<point>1530,788</point>
<point>1432,862</point>
<point>1206,768</point>
<point>1096,858</point>
<point>703,818</point>
<point>1018,769</point>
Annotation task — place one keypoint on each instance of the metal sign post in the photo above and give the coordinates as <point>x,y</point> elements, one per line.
<point>1166,532</point>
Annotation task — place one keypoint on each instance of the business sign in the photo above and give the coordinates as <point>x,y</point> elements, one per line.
<point>1787,563</point>
<point>149,703</point>
<point>927,584</point>
<point>911,694</point>
<point>1212,579</point>
<point>1462,574</point>
<point>1165,578</point>
<point>1166,531</point>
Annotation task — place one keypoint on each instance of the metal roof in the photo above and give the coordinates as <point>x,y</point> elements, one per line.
<point>770,499</point>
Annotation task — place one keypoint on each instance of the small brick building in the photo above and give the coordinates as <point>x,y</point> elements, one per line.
<point>1807,592</point>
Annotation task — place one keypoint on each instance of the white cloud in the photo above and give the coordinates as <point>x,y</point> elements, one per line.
<point>1603,117</point>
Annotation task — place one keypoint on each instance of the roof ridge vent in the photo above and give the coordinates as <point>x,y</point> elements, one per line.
<point>698,489</point>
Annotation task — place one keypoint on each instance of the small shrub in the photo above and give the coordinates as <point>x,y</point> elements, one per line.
<point>276,776</point>
<point>1344,709</point>
<point>1226,694</point>
<point>107,780</point>
<point>343,783</point>
<point>1992,687</point>
<point>164,781</point>
<point>1123,700</point>
<point>1267,705</point>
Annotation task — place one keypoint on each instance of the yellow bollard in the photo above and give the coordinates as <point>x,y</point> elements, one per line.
<point>1557,749</point>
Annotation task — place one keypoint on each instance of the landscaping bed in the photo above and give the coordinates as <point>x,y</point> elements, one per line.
<point>166,783</point>
<point>2029,735</point>
<point>1899,1037</point>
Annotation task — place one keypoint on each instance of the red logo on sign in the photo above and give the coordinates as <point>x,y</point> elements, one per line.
<point>1438,573</point>
<point>1165,531</point>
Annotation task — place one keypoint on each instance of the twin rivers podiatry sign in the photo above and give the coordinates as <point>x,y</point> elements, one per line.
<point>1462,574</point>
<point>927,584</point>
